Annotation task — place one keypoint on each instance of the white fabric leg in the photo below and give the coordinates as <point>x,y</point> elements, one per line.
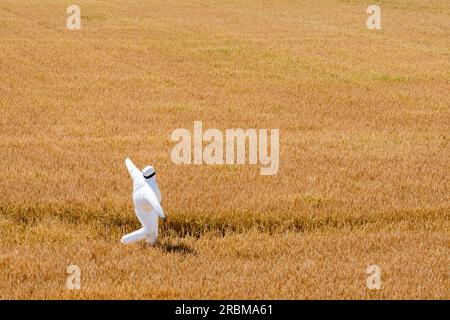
<point>134,236</point>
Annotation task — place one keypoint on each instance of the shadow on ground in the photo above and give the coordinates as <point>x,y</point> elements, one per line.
<point>181,248</point>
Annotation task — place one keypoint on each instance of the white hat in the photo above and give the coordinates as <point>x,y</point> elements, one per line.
<point>148,172</point>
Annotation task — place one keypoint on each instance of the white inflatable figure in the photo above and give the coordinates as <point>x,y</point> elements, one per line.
<point>146,198</point>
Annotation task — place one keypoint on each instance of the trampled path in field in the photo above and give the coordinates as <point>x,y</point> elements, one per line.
<point>329,263</point>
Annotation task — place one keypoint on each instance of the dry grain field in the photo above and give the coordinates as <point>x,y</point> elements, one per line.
<point>363,176</point>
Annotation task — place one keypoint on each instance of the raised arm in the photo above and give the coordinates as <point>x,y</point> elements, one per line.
<point>132,169</point>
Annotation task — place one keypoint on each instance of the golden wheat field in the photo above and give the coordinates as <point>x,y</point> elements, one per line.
<point>364,165</point>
